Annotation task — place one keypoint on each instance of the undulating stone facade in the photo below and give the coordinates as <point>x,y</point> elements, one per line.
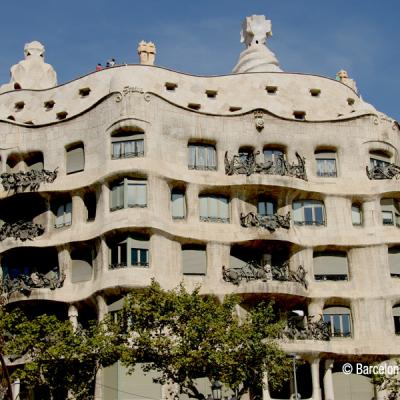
<point>269,184</point>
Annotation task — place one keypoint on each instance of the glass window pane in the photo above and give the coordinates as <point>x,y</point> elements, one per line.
<point>308,215</point>
<point>192,156</point>
<point>114,255</point>
<point>143,256</point>
<point>336,325</point>
<point>356,215</point>
<point>201,157</point>
<point>134,257</point>
<point>212,163</point>
<point>178,205</point>
<point>213,207</point>
<point>262,208</point>
<point>203,207</point>
<point>223,208</point>
<point>116,150</point>
<point>128,148</point>
<point>139,147</point>
<point>346,324</point>
<point>68,213</point>
<point>319,215</point>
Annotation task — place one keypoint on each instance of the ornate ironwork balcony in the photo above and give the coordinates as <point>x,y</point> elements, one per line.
<point>131,154</point>
<point>246,164</point>
<point>253,271</point>
<point>21,230</point>
<point>30,180</point>
<point>270,222</point>
<point>314,329</point>
<point>125,265</point>
<point>25,283</point>
<point>388,171</point>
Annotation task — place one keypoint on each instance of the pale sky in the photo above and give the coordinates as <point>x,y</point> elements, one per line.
<point>202,38</point>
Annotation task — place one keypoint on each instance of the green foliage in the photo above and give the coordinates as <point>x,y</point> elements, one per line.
<point>388,383</point>
<point>184,336</point>
<point>54,357</point>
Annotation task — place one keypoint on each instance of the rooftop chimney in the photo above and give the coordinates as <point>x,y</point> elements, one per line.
<point>147,52</point>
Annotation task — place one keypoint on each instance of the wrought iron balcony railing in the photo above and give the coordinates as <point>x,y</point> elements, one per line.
<point>125,265</point>
<point>270,222</point>
<point>24,283</point>
<point>215,219</point>
<point>30,180</point>
<point>131,154</point>
<point>246,164</point>
<point>388,171</point>
<point>253,271</point>
<point>21,230</point>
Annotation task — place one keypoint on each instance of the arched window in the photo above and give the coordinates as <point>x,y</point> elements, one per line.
<point>127,144</point>
<point>379,158</point>
<point>81,259</point>
<point>339,320</point>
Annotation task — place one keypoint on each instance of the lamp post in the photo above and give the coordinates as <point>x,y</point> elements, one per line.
<point>216,387</point>
<point>294,357</point>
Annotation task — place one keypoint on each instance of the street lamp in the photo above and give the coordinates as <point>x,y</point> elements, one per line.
<point>216,387</point>
<point>295,357</point>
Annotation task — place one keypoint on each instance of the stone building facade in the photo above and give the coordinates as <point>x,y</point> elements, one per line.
<point>269,184</point>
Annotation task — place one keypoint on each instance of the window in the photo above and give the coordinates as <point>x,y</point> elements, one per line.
<point>61,115</point>
<point>170,86</point>
<point>211,94</point>
<point>273,155</point>
<point>330,266</point>
<point>90,203</point>
<point>300,115</point>
<point>309,212</point>
<point>131,252</point>
<point>178,204</point>
<point>81,259</point>
<point>214,209</point>
<point>266,207</point>
<point>356,215</point>
<point>315,92</point>
<point>394,261</point>
<point>194,260</point>
<point>75,158</point>
<point>127,144</point>
<point>326,164</point>
<point>390,209</point>
<point>64,214</point>
<point>202,157</point>
<point>378,158</point>
<point>396,319</point>
<point>339,320</point>
<point>128,193</point>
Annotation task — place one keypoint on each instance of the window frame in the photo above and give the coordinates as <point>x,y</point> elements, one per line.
<point>124,185</point>
<point>206,162</point>
<point>135,139</point>
<point>359,213</point>
<point>209,206</point>
<point>392,208</point>
<point>66,214</point>
<point>322,160</point>
<point>308,204</point>
<point>266,204</point>
<point>182,195</point>
<point>125,249</point>
<point>70,170</point>
<point>329,317</point>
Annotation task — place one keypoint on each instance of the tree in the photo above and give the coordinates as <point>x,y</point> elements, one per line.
<point>54,357</point>
<point>389,383</point>
<point>184,336</point>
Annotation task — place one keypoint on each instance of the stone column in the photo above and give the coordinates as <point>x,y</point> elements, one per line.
<point>265,392</point>
<point>101,313</point>
<point>104,200</point>
<point>78,210</point>
<point>315,379</point>
<point>73,316</point>
<point>104,255</point>
<point>328,381</point>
